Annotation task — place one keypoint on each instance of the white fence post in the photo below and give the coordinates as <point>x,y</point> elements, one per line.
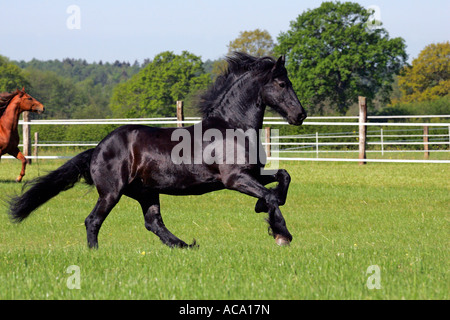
<point>26,136</point>
<point>36,143</point>
<point>382,141</point>
<point>362,129</point>
<point>268,149</point>
<point>317,145</point>
<point>180,113</point>
<point>425,143</point>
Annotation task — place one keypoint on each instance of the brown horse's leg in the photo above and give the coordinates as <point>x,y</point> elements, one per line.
<point>17,154</point>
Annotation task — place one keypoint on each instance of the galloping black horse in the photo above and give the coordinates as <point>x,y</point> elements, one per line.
<point>138,161</point>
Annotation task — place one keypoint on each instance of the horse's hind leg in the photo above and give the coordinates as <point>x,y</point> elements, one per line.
<point>153,222</point>
<point>95,219</point>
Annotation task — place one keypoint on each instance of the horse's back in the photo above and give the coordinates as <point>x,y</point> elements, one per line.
<point>140,156</point>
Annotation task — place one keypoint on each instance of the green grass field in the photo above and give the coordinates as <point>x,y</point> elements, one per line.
<point>344,219</point>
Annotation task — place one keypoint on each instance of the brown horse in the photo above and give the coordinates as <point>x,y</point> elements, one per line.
<point>11,106</point>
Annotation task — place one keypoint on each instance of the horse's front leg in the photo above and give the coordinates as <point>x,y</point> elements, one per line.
<point>283,178</point>
<point>17,154</point>
<point>247,184</point>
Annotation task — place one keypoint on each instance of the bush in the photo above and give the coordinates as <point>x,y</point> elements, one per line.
<point>67,133</point>
<point>439,106</point>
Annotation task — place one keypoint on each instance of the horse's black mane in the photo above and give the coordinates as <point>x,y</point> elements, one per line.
<point>238,64</point>
<point>5,99</point>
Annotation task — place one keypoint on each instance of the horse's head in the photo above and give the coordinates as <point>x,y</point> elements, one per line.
<point>28,103</point>
<point>279,95</point>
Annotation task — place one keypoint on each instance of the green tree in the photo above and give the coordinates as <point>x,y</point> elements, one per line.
<point>333,56</point>
<point>73,88</point>
<point>156,88</point>
<point>257,43</point>
<point>428,78</point>
<point>11,76</point>
<point>59,95</point>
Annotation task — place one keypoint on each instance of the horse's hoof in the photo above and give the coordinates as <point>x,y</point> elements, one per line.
<point>19,179</point>
<point>282,241</point>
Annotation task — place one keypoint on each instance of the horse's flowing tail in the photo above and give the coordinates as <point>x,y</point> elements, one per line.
<point>42,189</point>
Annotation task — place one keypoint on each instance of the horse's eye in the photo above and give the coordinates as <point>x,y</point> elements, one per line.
<point>30,98</point>
<point>282,84</point>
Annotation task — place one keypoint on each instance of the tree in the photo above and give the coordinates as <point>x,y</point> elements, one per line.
<point>156,88</point>
<point>11,76</point>
<point>257,43</point>
<point>334,57</point>
<point>59,95</point>
<point>74,88</point>
<point>429,76</point>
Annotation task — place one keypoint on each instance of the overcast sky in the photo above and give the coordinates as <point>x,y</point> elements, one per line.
<point>137,29</point>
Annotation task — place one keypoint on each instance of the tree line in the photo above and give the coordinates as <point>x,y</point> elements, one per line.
<point>333,55</point>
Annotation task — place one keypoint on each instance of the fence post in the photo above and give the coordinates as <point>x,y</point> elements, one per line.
<point>26,135</point>
<point>317,145</point>
<point>449,137</point>
<point>362,129</point>
<point>180,113</point>
<point>382,142</point>
<point>425,143</point>
<point>36,142</point>
<point>268,149</point>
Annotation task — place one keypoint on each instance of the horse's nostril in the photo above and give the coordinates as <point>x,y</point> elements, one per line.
<point>302,116</point>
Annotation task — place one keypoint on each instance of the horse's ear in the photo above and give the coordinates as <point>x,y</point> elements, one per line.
<point>280,63</point>
<point>23,89</point>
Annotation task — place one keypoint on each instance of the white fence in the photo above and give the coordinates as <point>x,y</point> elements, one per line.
<point>315,142</point>
<point>384,140</point>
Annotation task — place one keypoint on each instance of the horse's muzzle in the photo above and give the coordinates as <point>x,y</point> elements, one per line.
<point>39,110</point>
<point>299,120</point>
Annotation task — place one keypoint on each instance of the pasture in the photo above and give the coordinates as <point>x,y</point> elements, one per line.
<point>344,218</point>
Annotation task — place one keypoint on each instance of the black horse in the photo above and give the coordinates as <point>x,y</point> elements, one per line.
<point>138,161</point>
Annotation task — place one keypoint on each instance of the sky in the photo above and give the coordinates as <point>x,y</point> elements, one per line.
<point>132,30</point>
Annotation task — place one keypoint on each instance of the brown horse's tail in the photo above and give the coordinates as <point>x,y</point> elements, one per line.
<point>42,189</point>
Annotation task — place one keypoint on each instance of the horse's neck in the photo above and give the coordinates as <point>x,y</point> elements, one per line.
<point>10,118</point>
<point>242,107</point>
